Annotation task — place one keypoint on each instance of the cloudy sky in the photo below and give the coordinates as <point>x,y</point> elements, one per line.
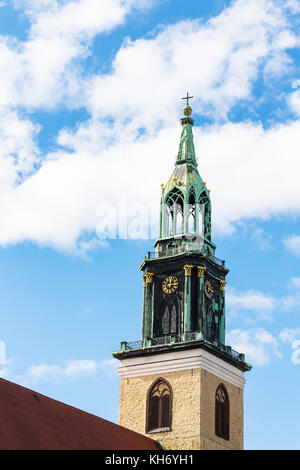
<point>90,102</point>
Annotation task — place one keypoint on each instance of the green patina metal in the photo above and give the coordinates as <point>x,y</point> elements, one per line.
<point>186,152</point>
<point>185,207</point>
<point>187,305</point>
<point>194,314</point>
<point>147,323</point>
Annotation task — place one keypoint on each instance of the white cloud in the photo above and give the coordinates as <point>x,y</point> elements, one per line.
<point>79,368</point>
<point>74,369</point>
<point>86,246</point>
<point>292,244</point>
<point>293,5</point>
<point>289,335</point>
<point>239,190</point>
<point>40,72</point>
<point>295,282</point>
<point>5,371</point>
<point>72,186</point>
<point>261,306</point>
<point>261,240</point>
<point>18,151</point>
<point>296,83</point>
<point>110,366</point>
<point>294,101</point>
<point>57,205</point>
<point>258,345</point>
<point>31,6</point>
<point>292,301</point>
<point>44,372</point>
<point>223,57</point>
<point>257,304</point>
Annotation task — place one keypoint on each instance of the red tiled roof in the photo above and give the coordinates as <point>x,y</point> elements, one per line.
<point>29,420</point>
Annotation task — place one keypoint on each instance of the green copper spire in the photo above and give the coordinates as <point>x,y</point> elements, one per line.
<point>183,304</point>
<point>186,153</point>
<point>185,175</point>
<point>185,216</point>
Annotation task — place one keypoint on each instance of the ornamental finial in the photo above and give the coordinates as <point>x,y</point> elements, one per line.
<point>187,111</point>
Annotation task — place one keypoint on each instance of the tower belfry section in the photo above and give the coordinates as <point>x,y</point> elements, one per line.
<point>180,384</point>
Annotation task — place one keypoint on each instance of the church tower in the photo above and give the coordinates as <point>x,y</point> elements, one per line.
<point>180,384</point>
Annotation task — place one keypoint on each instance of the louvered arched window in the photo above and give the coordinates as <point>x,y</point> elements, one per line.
<point>222,412</point>
<point>159,407</point>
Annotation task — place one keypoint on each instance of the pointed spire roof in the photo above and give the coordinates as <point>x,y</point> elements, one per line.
<point>186,152</point>
<point>185,173</point>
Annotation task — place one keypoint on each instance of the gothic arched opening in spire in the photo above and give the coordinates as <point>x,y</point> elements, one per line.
<point>191,217</point>
<point>179,219</point>
<point>175,204</point>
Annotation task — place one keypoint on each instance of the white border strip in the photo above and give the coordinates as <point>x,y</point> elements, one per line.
<point>181,360</point>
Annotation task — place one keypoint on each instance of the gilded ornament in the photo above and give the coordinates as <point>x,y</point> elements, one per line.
<point>201,270</point>
<point>148,278</point>
<point>188,270</point>
<point>222,285</point>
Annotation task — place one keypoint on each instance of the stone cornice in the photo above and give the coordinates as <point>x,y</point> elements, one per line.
<point>181,360</point>
<point>168,349</point>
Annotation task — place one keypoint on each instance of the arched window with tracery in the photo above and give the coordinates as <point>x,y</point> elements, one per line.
<point>191,213</point>
<point>179,219</point>
<point>222,412</point>
<point>170,213</point>
<point>170,320</point>
<point>159,407</point>
<point>175,212</point>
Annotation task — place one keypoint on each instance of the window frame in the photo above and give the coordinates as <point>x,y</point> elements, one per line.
<point>159,429</point>
<point>222,429</point>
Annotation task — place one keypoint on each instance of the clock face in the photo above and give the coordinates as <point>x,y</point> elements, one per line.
<point>170,284</point>
<point>208,289</point>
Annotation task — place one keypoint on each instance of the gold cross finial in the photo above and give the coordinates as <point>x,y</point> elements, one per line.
<point>187,98</point>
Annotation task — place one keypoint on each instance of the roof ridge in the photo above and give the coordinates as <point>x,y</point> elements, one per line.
<point>34,392</point>
<point>65,405</point>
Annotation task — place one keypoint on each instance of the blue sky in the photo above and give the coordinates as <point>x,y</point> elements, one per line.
<point>90,102</point>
